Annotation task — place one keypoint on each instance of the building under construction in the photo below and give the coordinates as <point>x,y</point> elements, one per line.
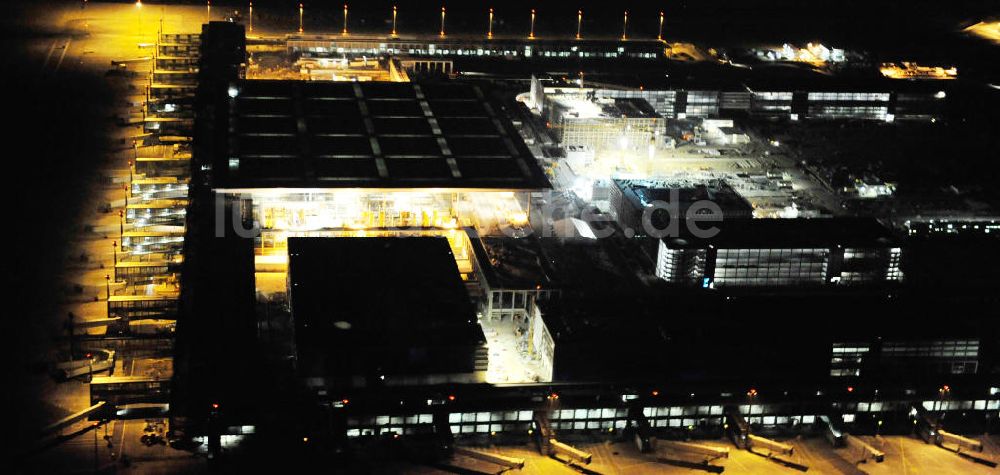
<point>580,118</point>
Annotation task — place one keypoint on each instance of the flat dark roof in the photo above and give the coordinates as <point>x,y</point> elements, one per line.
<point>380,306</point>
<point>510,264</point>
<point>641,193</point>
<point>602,338</point>
<point>789,233</point>
<point>590,265</point>
<point>301,134</point>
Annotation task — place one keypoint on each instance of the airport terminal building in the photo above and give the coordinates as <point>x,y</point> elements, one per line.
<point>383,332</point>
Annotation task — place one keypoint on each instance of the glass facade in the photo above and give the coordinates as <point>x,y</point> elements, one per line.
<point>847,359</point>
<point>784,104</point>
<point>702,104</point>
<point>849,96</point>
<point>770,267</point>
<point>680,263</point>
<point>662,101</point>
<point>824,111</point>
<point>941,356</point>
<point>608,131</point>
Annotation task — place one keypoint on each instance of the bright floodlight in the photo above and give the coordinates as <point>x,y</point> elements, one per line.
<point>233,92</point>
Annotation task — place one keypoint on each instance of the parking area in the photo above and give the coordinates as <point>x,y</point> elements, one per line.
<point>904,455</point>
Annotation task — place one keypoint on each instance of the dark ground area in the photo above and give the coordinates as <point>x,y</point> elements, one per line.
<point>54,138</point>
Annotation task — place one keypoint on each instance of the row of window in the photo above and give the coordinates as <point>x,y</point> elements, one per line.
<point>675,411</point>
<point>394,420</point>
<point>486,423</point>
<point>979,405</point>
<point>698,110</point>
<point>773,96</point>
<point>849,112</point>
<point>844,372</point>
<point>432,51</point>
<point>939,349</point>
<point>773,107</point>
<point>849,96</point>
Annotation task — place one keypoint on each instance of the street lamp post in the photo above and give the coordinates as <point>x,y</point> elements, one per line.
<point>345,20</point>
<point>489,32</point>
<point>121,225</point>
<point>114,247</point>
<point>943,393</point>
<point>394,22</point>
<point>625,27</point>
<point>579,22</point>
<point>442,22</point>
<point>107,286</point>
<point>531,32</point>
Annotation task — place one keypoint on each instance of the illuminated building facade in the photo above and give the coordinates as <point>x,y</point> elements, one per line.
<point>782,253</point>
<point>329,45</point>
<point>790,101</point>
<point>954,356</point>
<point>848,105</point>
<point>583,119</point>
